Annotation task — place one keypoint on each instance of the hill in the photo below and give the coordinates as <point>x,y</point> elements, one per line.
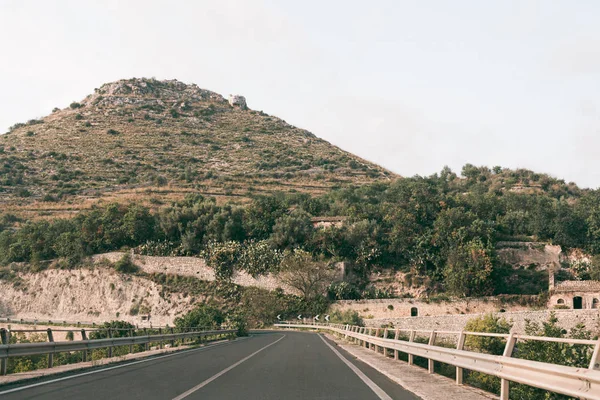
<point>164,139</point>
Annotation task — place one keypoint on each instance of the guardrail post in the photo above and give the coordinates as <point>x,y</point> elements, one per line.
<point>430,362</point>
<point>147,344</point>
<point>385,336</point>
<point>460,345</point>
<point>595,361</point>
<point>173,340</point>
<point>377,335</point>
<point>84,352</point>
<point>110,349</point>
<point>131,335</point>
<point>411,358</point>
<point>508,350</point>
<point>3,361</point>
<point>396,335</point>
<point>50,355</point>
<point>160,343</point>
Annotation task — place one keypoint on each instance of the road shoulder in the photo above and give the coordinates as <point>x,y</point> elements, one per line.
<point>414,379</point>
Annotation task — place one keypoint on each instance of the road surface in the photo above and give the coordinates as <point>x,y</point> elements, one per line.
<point>267,365</point>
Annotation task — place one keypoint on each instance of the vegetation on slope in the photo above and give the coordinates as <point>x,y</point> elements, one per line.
<point>167,137</point>
<point>441,227</point>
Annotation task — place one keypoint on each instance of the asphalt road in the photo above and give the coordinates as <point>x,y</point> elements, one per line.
<point>270,365</point>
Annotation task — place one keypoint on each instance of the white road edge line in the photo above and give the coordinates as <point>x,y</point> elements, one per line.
<point>212,378</point>
<point>372,385</point>
<point>117,366</point>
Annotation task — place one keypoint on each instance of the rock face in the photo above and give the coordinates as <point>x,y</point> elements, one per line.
<point>238,101</point>
<point>149,92</point>
<point>525,254</point>
<point>196,267</point>
<point>94,295</point>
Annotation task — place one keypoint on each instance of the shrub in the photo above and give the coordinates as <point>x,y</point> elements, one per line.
<point>346,317</point>
<point>203,316</point>
<point>78,117</point>
<point>75,105</point>
<point>125,265</point>
<point>112,132</point>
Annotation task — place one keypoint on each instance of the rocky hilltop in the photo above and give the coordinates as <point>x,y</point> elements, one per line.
<point>164,138</point>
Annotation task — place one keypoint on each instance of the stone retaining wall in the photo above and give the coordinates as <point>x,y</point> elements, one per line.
<point>396,308</point>
<point>566,319</point>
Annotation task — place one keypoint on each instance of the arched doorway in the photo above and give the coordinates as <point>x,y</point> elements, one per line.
<point>595,303</point>
<point>414,312</point>
<point>577,303</point>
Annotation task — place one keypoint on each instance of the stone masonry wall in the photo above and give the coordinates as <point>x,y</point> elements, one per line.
<point>567,319</point>
<point>396,308</point>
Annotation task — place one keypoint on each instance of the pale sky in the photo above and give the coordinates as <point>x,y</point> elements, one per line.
<point>411,85</point>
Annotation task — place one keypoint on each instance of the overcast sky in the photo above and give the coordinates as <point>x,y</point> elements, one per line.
<point>411,85</point>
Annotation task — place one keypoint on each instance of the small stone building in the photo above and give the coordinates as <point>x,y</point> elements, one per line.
<point>574,294</point>
<point>238,101</point>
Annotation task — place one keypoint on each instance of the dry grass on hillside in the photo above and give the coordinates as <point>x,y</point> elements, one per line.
<point>158,140</point>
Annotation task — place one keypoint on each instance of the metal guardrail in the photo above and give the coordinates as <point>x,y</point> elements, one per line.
<point>582,383</point>
<point>51,347</point>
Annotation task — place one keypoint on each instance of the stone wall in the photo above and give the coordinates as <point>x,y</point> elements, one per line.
<point>567,319</point>
<point>397,308</point>
<point>195,267</point>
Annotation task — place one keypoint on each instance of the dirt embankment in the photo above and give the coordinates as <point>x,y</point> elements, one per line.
<point>98,295</point>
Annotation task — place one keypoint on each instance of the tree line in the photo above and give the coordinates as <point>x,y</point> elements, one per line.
<point>444,227</point>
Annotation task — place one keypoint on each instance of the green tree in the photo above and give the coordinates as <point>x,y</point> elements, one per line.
<point>204,316</point>
<point>310,277</point>
<point>222,257</point>
<point>468,270</point>
<point>291,230</point>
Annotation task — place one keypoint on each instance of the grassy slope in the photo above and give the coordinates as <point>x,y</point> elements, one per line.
<point>159,140</point>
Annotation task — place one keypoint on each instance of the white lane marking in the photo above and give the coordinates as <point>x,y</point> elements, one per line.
<point>372,385</point>
<point>212,378</point>
<point>118,366</point>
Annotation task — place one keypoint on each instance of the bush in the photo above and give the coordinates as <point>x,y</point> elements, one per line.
<point>112,132</point>
<point>125,265</point>
<point>75,105</point>
<point>203,316</point>
<point>346,317</point>
<point>222,257</point>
